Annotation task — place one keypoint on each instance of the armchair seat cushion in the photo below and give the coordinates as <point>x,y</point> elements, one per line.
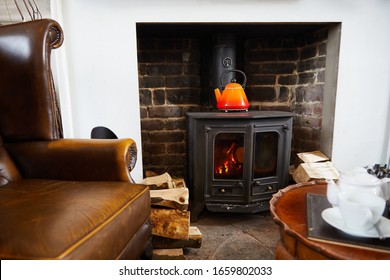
<point>51,219</point>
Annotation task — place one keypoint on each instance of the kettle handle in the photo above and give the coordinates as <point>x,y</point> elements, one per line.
<point>234,70</point>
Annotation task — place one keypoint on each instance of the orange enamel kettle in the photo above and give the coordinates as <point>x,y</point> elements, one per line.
<point>233,97</point>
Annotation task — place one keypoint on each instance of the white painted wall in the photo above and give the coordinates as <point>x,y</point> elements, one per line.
<point>12,11</point>
<point>102,88</point>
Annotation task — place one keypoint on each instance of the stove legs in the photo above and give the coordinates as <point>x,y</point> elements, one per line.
<point>196,208</point>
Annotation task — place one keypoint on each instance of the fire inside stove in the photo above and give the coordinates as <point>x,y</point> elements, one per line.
<point>229,156</point>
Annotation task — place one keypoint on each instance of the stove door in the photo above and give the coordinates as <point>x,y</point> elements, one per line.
<point>268,152</point>
<point>265,160</point>
<point>226,165</point>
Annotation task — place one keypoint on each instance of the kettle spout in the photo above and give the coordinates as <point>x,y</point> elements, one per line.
<point>217,94</point>
<point>332,192</point>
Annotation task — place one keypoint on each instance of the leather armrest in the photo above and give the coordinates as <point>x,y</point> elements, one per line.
<point>76,159</point>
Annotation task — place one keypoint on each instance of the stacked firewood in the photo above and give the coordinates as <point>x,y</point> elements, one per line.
<point>170,217</point>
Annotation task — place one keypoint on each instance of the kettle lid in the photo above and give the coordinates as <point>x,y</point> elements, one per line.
<point>233,86</point>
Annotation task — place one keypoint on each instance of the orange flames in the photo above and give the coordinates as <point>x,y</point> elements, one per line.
<point>230,163</point>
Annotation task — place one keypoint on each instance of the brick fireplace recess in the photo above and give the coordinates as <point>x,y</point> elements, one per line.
<point>285,65</point>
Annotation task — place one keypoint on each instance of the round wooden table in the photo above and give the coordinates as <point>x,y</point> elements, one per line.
<point>289,211</point>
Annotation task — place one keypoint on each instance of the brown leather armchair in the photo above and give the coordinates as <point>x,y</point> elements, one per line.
<point>60,198</point>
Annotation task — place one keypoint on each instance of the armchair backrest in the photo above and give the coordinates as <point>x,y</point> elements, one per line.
<point>28,101</point>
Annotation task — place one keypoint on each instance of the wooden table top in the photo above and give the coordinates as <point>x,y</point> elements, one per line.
<point>288,209</point>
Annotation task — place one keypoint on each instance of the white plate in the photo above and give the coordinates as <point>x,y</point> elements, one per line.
<point>333,217</point>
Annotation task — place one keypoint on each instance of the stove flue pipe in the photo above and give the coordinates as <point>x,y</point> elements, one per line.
<point>224,58</point>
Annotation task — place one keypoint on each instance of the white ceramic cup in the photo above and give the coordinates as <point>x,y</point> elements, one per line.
<point>360,210</point>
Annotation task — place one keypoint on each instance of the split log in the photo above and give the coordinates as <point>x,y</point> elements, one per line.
<point>168,254</point>
<point>171,198</point>
<point>196,236</point>
<point>162,186</point>
<point>179,183</point>
<point>171,223</point>
<point>163,181</point>
<point>194,241</point>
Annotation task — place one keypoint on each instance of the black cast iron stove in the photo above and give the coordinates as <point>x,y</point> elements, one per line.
<point>236,161</point>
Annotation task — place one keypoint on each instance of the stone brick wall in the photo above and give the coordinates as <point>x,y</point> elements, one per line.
<point>169,82</point>
<point>288,74</point>
<point>284,73</point>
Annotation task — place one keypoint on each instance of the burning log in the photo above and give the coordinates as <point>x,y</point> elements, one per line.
<point>230,161</point>
<point>239,154</point>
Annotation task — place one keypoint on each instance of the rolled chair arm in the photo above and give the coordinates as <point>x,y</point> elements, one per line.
<point>76,159</point>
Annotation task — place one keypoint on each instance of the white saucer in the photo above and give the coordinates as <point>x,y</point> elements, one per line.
<point>333,217</point>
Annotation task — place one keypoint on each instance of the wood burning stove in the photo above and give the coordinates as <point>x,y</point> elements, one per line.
<point>237,160</point>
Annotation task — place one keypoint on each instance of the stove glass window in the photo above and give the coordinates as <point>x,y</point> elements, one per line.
<point>229,156</point>
<point>266,154</point>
